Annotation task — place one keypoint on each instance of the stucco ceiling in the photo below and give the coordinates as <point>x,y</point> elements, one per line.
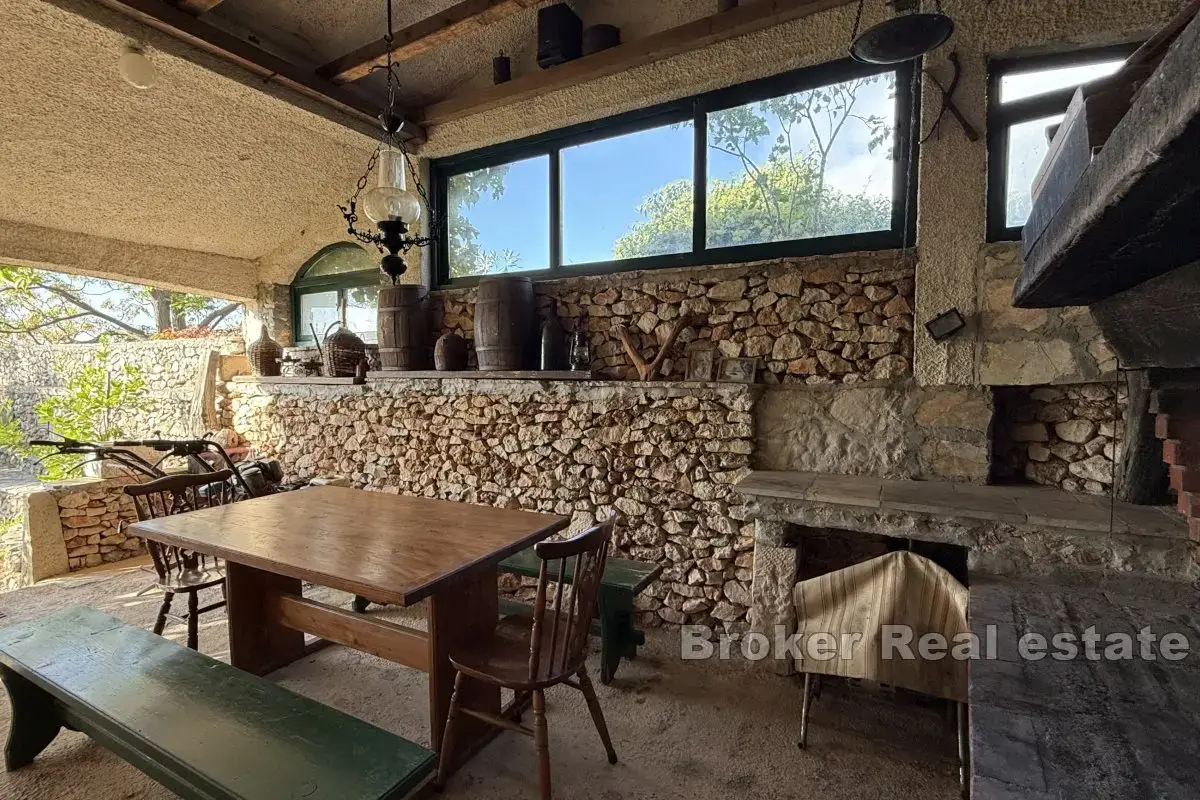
<point>199,162</point>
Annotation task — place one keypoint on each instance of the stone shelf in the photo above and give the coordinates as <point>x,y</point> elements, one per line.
<point>1006,530</point>
<point>289,381</point>
<point>497,375</point>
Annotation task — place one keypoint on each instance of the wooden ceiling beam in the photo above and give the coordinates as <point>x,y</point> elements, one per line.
<point>457,21</point>
<point>197,7</point>
<point>739,21</point>
<point>355,112</point>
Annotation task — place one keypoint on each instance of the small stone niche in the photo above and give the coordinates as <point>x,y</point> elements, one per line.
<point>1068,437</point>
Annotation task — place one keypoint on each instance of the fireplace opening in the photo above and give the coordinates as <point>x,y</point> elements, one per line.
<point>825,550</point>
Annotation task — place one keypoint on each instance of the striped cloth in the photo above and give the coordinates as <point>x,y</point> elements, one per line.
<point>897,589</point>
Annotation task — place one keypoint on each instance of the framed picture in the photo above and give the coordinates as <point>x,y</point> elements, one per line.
<point>700,365</point>
<point>738,370</point>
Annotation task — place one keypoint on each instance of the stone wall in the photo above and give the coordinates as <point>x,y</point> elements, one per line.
<point>828,319</point>
<point>1064,436</point>
<point>664,457</point>
<point>899,431</point>
<point>170,368</point>
<point>1033,346</point>
<point>91,515</point>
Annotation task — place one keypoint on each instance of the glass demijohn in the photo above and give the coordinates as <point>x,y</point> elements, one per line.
<point>390,200</point>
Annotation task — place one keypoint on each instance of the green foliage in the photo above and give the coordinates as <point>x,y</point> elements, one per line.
<point>83,411</point>
<point>782,198</point>
<point>467,258</point>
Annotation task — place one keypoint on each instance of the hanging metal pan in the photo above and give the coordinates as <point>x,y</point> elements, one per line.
<point>902,38</point>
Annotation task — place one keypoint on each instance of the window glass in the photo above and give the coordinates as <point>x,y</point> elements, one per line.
<point>361,312</point>
<point>809,164</point>
<point>318,309</point>
<point>1028,144</point>
<point>1020,85</point>
<point>340,259</point>
<point>499,219</point>
<point>629,196</point>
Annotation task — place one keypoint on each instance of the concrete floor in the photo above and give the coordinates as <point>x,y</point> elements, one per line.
<point>695,730</point>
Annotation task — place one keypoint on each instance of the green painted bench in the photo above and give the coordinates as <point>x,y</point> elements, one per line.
<point>200,727</point>
<point>623,581</point>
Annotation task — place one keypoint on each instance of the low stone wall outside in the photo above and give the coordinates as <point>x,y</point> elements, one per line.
<point>91,515</point>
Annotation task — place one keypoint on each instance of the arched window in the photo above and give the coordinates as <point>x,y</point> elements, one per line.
<point>340,282</point>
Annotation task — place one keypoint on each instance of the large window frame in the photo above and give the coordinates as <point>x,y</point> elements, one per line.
<point>695,110</point>
<point>341,283</point>
<point>1003,116</point>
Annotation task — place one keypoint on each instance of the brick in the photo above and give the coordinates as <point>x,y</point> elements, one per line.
<point>1185,479</point>
<point>1181,453</point>
<point>1188,504</point>
<point>1168,426</point>
<point>1176,400</point>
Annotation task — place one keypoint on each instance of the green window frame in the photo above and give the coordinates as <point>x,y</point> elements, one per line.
<point>351,275</point>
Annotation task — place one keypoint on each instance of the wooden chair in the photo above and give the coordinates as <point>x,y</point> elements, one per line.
<point>181,571</point>
<point>529,655</point>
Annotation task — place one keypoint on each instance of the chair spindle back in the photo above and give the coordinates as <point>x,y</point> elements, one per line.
<point>179,494</point>
<point>559,641</point>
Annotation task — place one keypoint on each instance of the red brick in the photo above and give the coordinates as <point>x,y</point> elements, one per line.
<point>1167,426</point>
<point>1185,479</point>
<point>1188,504</point>
<point>1181,453</point>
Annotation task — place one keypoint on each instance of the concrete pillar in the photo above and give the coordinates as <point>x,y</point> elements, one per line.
<point>772,612</point>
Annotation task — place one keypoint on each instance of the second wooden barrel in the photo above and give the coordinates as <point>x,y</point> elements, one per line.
<point>505,315</point>
<point>403,328</point>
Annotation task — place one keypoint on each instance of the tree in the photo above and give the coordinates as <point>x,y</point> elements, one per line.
<point>467,258</point>
<point>780,197</point>
<point>52,307</point>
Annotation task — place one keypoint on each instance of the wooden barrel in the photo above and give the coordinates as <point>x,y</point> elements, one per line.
<point>505,316</point>
<point>403,329</point>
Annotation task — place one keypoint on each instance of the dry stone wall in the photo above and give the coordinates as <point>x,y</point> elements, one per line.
<point>170,368</point>
<point>828,319</point>
<point>93,515</point>
<point>665,458</point>
<point>1064,436</point>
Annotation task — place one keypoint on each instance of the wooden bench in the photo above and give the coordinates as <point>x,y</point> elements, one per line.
<point>623,581</point>
<point>198,726</point>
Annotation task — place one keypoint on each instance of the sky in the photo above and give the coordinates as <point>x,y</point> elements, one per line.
<point>605,181</point>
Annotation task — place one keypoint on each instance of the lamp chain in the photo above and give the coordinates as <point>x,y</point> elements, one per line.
<point>857,19</point>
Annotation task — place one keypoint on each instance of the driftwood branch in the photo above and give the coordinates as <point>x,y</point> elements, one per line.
<point>648,372</point>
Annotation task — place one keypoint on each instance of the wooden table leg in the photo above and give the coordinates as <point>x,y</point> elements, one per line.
<point>257,642</point>
<point>461,615</point>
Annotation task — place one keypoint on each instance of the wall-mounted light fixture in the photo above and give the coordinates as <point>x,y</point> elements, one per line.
<point>945,325</point>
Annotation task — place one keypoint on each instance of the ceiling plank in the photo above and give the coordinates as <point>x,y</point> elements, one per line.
<point>197,7</point>
<point>457,21</point>
<point>355,112</point>
<point>738,21</point>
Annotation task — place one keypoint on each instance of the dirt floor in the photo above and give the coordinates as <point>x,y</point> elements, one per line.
<point>695,730</point>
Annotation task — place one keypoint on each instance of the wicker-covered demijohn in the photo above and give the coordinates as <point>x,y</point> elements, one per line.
<point>342,352</point>
<point>264,355</point>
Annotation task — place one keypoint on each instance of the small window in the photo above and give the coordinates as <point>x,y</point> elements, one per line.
<point>341,282</point>
<point>1028,98</point>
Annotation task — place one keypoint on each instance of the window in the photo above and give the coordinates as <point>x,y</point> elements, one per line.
<point>341,282</point>
<point>1027,98</point>
<point>799,164</point>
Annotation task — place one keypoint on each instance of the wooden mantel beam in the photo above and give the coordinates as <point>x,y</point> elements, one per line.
<point>456,21</point>
<point>739,21</point>
<point>355,112</point>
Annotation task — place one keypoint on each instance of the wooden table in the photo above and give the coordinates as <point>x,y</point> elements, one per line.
<point>390,549</point>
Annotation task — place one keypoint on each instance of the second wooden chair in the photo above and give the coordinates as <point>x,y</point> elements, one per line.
<point>529,656</point>
<point>181,571</point>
